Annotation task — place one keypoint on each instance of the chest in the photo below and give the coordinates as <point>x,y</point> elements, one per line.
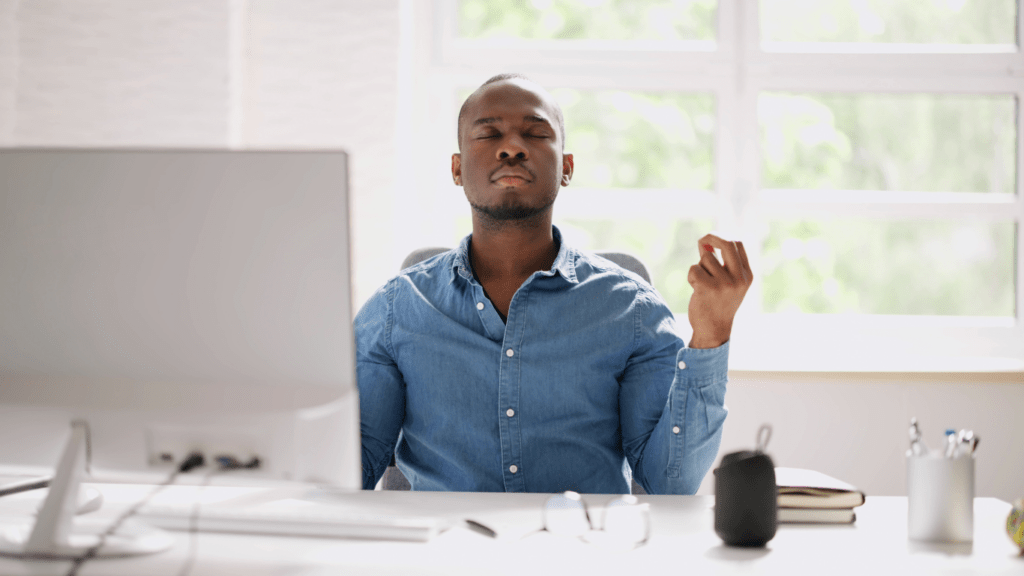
<point>500,292</point>
<point>547,336</point>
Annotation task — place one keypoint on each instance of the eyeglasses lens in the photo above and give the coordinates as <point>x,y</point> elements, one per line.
<point>566,514</point>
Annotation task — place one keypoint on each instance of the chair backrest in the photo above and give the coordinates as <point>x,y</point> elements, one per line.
<point>420,254</point>
<point>393,478</point>
<point>627,261</point>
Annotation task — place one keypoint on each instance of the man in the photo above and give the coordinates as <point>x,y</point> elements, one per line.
<point>517,363</point>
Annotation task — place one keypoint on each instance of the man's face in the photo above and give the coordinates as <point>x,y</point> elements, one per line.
<point>511,162</point>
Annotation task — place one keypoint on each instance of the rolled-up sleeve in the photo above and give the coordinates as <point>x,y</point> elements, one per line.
<point>381,387</point>
<point>672,404</point>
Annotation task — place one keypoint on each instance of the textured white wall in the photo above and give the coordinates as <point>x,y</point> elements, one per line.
<point>323,73</point>
<point>118,73</point>
<point>214,73</point>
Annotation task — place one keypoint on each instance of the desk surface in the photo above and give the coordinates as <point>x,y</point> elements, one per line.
<point>681,536</point>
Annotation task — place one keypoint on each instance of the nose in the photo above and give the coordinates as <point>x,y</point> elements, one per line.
<point>512,147</point>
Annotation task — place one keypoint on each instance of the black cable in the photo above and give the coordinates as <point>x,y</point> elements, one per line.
<point>194,460</point>
<point>44,482</point>
<point>226,464</point>
<point>193,525</point>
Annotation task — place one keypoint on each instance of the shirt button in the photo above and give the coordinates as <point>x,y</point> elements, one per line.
<point>510,412</point>
<point>675,429</point>
<point>479,305</point>
<point>509,353</point>
<point>682,365</point>
<point>513,468</point>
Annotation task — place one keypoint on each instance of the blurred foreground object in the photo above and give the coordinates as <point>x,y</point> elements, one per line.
<point>1015,524</point>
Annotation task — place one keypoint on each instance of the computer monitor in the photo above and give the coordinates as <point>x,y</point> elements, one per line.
<point>177,299</point>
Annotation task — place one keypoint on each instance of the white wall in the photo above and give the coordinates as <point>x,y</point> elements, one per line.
<point>214,73</point>
<point>854,426</point>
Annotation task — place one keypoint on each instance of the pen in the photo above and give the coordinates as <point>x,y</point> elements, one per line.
<point>950,442</point>
<point>964,441</point>
<point>917,447</point>
<point>24,485</point>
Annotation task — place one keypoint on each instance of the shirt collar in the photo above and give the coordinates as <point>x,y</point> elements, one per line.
<point>564,264</point>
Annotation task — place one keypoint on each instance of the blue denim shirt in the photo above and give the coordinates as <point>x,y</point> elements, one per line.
<point>586,375</point>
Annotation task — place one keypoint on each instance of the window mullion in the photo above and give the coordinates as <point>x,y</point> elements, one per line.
<point>1019,211</point>
<point>740,149</point>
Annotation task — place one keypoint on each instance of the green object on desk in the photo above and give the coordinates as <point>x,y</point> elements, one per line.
<point>1015,524</point>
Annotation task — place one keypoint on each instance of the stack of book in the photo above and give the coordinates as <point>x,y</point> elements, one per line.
<point>806,496</point>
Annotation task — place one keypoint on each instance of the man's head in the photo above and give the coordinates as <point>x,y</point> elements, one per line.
<point>519,77</point>
<point>511,161</point>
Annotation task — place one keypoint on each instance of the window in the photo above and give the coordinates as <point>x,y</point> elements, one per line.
<point>866,151</point>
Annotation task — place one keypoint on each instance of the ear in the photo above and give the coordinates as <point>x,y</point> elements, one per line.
<point>457,168</point>
<point>567,167</point>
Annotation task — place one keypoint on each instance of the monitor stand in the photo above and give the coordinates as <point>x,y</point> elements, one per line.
<point>57,534</point>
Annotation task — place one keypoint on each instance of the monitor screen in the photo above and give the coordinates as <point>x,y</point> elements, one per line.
<point>176,298</point>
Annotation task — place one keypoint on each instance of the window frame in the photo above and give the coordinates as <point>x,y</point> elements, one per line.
<point>735,73</point>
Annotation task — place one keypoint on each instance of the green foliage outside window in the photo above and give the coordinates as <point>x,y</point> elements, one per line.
<point>903,21</point>
<point>588,19</point>
<point>903,267</point>
<point>639,139</point>
<point>916,142</point>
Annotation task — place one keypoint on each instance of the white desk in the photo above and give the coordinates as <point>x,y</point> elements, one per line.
<point>682,540</point>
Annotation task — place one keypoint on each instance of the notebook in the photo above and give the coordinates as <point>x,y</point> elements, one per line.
<point>801,488</point>
<point>817,515</point>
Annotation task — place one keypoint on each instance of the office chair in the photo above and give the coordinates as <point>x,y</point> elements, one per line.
<point>393,478</point>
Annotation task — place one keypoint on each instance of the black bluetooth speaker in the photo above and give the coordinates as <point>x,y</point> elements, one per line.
<point>746,499</point>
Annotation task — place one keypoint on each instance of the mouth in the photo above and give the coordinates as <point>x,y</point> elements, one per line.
<point>511,180</point>
<point>512,177</point>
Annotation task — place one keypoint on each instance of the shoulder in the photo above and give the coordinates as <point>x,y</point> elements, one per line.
<point>626,290</point>
<point>425,277</point>
<point>434,271</point>
<point>595,268</point>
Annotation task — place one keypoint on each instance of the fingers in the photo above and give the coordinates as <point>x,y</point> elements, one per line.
<point>698,275</point>
<point>734,258</point>
<point>748,272</point>
<point>730,256</point>
<point>708,261</point>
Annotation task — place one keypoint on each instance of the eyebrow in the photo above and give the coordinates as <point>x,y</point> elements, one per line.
<point>532,118</point>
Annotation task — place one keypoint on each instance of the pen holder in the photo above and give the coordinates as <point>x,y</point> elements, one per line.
<point>940,498</point>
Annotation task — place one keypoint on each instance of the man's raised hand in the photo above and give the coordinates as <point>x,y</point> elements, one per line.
<point>718,290</point>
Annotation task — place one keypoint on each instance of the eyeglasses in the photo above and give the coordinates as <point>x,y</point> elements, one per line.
<point>627,522</point>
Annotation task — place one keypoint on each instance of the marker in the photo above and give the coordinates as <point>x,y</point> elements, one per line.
<point>917,447</point>
<point>950,442</point>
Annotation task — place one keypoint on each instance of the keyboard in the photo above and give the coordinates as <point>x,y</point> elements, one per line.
<point>293,517</point>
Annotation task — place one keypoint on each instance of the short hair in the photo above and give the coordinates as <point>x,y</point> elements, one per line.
<point>509,76</point>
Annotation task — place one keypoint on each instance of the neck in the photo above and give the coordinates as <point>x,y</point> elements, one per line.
<point>512,250</point>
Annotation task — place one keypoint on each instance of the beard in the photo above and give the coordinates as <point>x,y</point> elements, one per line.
<point>510,211</point>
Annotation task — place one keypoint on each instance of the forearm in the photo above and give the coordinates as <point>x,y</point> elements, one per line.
<point>684,443</point>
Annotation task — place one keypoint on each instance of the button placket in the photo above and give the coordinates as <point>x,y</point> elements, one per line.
<point>508,393</point>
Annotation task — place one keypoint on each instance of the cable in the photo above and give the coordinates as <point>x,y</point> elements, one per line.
<point>193,525</point>
<point>193,461</point>
<point>226,464</point>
